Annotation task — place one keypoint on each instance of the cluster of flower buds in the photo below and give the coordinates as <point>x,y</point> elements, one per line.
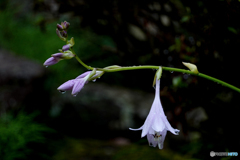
<point>62,30</point>
<point>65,52</point>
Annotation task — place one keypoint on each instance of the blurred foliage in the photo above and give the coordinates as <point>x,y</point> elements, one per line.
<point>20,136</point>
<point>97,149</point>
<point>28,38</point>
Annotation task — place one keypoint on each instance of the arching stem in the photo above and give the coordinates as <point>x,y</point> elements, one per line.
<point>156,67</point>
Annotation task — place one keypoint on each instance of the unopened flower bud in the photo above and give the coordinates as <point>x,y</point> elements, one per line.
<point>69,44</point>
<point>57,55</point>
<point>51,61</point>
<point>67,55</point>
<point>59,27</point>
<point>192,67</point>
<point>64,34</point>
<point>65,25</point>
<point>62,30</point>
<point>66,47</point>
<point>64,55</point>
<point>78,83</point>
<point>60,35</point>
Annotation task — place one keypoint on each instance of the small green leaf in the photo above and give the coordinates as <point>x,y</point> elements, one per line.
<point>177,81</point>
<point>185,18</point>
<point>233,30</point>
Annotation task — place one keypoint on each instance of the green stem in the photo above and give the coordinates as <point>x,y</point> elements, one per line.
<point>80,61</point>
<point>219,81</point>
<point>203,76</point>
<point>164,68</point>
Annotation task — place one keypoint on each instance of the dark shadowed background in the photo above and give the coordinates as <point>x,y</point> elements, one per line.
<point>38,122</point>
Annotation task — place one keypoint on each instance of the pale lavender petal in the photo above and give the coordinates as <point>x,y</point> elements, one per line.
<point>158,124</point>
<point>160,108</point>
<point>51,61</point>
<point>57,55</point>
<point>157,89</point>
<point>152,142</point>
<point>136,129</point>
<point>163,135</point>
<point>169,127</point>
<point>151,131</point>
<point>147,124</point>
<point>67,85</point>
<point>157,100</point>
<point>79,83</point>
<point>154,111</point>
<point>84,74</point>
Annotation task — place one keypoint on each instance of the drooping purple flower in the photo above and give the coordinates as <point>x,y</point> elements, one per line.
<point>78,83</point>
<point>156,125</point>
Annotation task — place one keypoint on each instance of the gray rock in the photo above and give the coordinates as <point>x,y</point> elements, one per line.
<point>16,67</point>
<point>17,78</point>
<point>116,105</point>
<point>196,116</point>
